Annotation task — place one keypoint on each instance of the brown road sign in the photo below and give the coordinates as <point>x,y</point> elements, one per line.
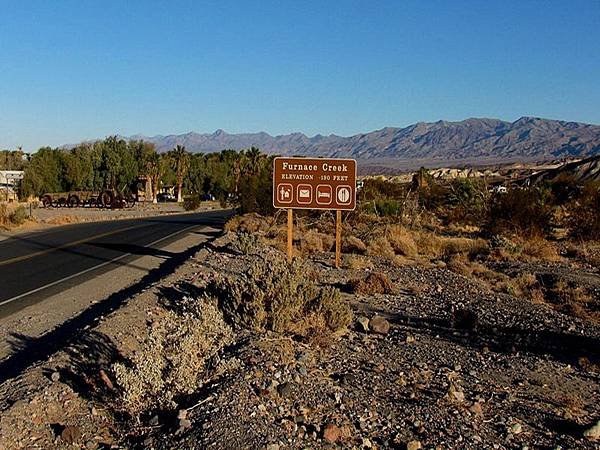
<point>314,183</point>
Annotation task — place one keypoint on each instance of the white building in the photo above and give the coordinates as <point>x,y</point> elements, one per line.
<point>9,181</point>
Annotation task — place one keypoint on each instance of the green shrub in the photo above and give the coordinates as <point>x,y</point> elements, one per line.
<point>18,216</point>
<point>584,213</point>
<point>527,212</point>
<point>245,243</point>
<point>192,203</point>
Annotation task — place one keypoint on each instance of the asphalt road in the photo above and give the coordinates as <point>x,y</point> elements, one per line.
<point>39,264</point>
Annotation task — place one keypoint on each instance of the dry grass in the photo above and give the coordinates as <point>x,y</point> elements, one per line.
<point>527,249</point>
<point>312,241</point>
<point>539,249</point>
<point>380,246</point>
<point>572,300</point>
<point>352,244</point>
<point>356,262</point>
<point>249,223</point>
<point>374,283</point>
<point>62,220</point>
<point>401,240</point>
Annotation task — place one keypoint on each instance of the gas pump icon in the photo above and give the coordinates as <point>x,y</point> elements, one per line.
<point>284,193</point>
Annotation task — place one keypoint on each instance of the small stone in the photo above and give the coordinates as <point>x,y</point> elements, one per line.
<point>184,424</point>
<point>516,428</point>
<point>153,421</point>
<point>379,325</point>
<point>593,433</point>
<point>363,324</point>
<point>455,394</point>
<point>182,414</point>
<point>106,380</point>
<point>71,434</point>
<point>413,445</point>
<point>331,433</point>
<point>285,389</point>
<point>476,409</point>
<point>55,376</point>
<point>410,339</point>
<point>366,443</point>
<point>347,379</point>
<point>272,447</point>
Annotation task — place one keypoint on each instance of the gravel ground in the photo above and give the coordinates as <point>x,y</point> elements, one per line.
<point>460,367</point>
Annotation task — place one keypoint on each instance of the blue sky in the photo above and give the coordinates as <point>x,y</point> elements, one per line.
<point>75,70</point>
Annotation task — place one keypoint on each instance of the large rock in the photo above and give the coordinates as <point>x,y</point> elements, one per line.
<point>379,325</point>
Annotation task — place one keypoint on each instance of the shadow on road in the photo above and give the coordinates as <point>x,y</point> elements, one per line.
<point>29,351</point>
<point>134,249</point>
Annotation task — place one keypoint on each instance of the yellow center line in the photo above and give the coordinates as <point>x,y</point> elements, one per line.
<point>70,244</point>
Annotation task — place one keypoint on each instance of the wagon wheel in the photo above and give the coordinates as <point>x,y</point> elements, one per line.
<point>73,201</point>
<point>46,201</point>
<point>118,202</point>
<point>131,201</point>
<point>105,199</point>
<point>60,202</point>
<point>91,202</point>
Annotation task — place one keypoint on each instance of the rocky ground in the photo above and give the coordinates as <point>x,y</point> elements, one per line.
<point>431,359</point>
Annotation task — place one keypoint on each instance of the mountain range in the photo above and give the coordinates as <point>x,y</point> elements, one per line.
<point>467,140</point>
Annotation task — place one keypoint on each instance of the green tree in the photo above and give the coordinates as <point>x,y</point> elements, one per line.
<point>44,173</point>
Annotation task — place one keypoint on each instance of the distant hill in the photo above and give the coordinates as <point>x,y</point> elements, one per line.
<point>489,139</point>
<point>585,170</point>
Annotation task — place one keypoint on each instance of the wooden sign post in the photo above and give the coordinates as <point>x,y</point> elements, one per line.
<point>338,238</point>
<point>290,234</point>
<point>314,183</point>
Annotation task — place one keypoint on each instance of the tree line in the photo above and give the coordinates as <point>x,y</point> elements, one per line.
<point>113,163</point>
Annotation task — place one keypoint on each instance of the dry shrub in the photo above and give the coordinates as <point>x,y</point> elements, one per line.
<point>380,246</point>
<point>587,365</point>
<point>464,246</point>
<point>280,297</point>
<point>352,244</point>
<point>248,223</point>
<point>429,244</point>
<point>171,361</point>
<point>401,240</point>
<point>584,213</point>
<point>11,217</point>
<point>245,243</point>
<point>539,248</point>
<point>62,220</point>
<point>525,285</point>
<point>312,241</point>
<point>358,263</point>
<point>374,283</point>
<point>459,264</point>
<point>572,300</point>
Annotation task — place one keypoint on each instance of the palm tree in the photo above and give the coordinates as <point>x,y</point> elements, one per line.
<point>154,172</point>
<point>180,162</point>
<point>254,158</point>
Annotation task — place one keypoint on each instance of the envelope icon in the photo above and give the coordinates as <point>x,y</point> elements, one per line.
<point>304,194</point>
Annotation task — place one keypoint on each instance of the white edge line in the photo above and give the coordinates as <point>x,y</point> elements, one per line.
<point>46,286</point>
